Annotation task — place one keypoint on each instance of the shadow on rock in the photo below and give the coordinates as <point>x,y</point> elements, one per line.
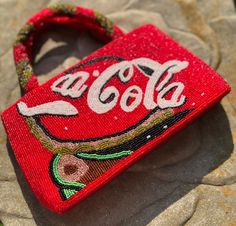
<point>66,42</point>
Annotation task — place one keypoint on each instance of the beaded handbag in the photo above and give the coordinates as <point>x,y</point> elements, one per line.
<point>86,125</point>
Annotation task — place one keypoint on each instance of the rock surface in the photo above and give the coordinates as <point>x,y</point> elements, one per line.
<point>190,180</point>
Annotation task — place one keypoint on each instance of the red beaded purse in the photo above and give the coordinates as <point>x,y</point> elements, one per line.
<point>86,125</point>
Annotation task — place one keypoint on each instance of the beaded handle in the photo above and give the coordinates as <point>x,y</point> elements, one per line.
<point>56,14</point>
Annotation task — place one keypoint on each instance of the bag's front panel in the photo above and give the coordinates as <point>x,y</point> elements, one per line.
<point>84,126</point>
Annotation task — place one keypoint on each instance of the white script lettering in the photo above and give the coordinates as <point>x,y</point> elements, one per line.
<point>102,97</point>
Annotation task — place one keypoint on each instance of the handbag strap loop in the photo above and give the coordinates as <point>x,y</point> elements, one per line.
<point>56,14</point>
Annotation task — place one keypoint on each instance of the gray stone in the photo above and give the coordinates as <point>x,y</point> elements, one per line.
<point>137,18</point>
<point>101,5</point>
<point>178,213</point>
<point>169,9</point>
<point>12,201</point>
<point>211,9</point>
<point>12,19</point>
<point>192,43</point>
<point>10,220</point>
<point>219,209</point>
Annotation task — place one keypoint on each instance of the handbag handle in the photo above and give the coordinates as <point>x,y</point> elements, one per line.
<point>56,14</point>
